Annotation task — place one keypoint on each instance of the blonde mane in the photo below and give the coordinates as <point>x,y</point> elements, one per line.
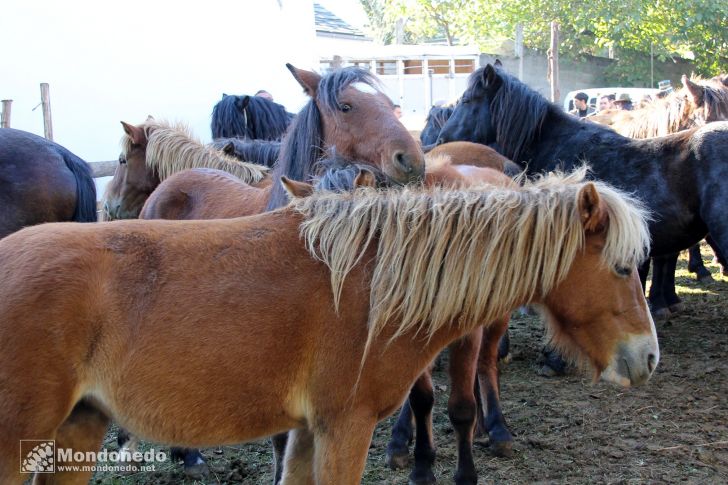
<point>674,113</point>
<point>173,148</point>
<point>463,256</point>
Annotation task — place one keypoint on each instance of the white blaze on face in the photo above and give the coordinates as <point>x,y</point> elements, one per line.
<point>364,88</point>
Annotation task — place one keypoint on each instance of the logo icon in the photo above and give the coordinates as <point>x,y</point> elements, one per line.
<point>37,456</point>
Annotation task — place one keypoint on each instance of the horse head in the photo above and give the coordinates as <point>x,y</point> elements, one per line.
<point>133,179</point>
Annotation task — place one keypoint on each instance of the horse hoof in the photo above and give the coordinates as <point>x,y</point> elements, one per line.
<point>198,471</point>
<point>704,277</point>
<point>397,460</point>
<point>661,314</point>
<point>502,449</point>
<point>426,478</point>
<point>547,371</point>
<point>677,307</point>
<point>506,359</point>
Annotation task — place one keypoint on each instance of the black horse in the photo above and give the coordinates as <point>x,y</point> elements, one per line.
<point>41,181</point>
<point>436,119</point>
<point>250,117</point>
<point>679,177</point>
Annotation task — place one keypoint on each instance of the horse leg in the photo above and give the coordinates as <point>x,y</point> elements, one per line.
<point>461,406</point>
<point>128,445</point>
<point>501,439</point>
<point>279,442</point>
<point>422,400</point>
<point>674,304</point>
<point>402,434</point>
<point>719,256</point>
<point>695,264</point>
<point>194,463</point>
<point>658,305</point>
<point>83,431</point>
<point>340,448</point>
<point>299,452</point>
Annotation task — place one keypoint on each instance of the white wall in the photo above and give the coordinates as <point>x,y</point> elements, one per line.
<point>112,61</point>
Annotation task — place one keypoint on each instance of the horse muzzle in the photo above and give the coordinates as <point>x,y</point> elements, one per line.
<point>634,362</point>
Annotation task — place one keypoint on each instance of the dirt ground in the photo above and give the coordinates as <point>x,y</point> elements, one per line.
<point>567,429</point>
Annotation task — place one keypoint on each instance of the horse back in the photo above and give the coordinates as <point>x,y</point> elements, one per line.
<point>204,193</point>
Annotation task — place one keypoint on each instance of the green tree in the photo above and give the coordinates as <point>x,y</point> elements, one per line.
<point>632,28</point>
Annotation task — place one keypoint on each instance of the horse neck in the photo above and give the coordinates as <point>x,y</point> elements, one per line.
<point>301,148</point>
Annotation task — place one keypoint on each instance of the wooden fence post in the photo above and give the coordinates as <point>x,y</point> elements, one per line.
<point>45,99</point>
<point>553,55</point>
<point>5,118</point>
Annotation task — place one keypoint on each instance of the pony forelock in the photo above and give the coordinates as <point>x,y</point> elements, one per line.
<point>463,256</point>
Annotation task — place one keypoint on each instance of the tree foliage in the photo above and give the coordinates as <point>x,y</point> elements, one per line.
<point>690,28</point>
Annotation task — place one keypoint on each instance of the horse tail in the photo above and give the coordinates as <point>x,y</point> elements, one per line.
<point>85,187</point>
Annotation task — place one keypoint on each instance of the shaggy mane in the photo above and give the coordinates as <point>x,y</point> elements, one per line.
<point>470,255</point>
<point>674,113</point>
<point>172,148</point>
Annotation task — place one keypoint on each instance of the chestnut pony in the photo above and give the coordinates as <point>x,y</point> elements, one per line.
<point>361,291</point>
<point>347,111</point>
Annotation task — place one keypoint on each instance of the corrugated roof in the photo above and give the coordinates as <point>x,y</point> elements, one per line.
<point>330,23</point>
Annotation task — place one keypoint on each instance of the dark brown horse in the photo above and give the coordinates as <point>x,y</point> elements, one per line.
<point>347,112</point>
<point>347,296</point>
<point>41,181</point>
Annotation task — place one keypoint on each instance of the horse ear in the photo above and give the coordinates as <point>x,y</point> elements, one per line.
<point>498,63</point>
<point>296,189</point>
<point>309,80</point>
<point>150,118</point>
<point>489,75</point>
<point>365,178</point>
<point>224,95</point>
<point>695,91</point>
<point>593,216</point>
<point>229,149</point>
<point>136,134</point>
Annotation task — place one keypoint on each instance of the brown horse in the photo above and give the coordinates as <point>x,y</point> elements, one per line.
<point>347,296</point>
<point>347,111</point>
<point>153,151</point>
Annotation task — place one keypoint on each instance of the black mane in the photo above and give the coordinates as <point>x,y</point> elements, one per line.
<point>517,112</point>
<point>262,152</point>
<point>436,118</point>
<point>303,145</point>
<point>250,117</point>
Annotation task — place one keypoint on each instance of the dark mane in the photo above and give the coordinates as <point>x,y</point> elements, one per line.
<point>303,144</point>
<point>262,152</point>
<point>250,117</point>
<point>517,112</point>
<point>339,174</point>
<point>436,118</point>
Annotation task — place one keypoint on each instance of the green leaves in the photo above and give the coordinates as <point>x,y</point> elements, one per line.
<point>692,28</point>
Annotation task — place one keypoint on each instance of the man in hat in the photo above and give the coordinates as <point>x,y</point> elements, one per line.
<point>623,101</point>
<point>581,109</point>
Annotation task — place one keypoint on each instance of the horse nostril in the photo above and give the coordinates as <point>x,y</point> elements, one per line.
<point>651,362</point>
<point>401,161</point>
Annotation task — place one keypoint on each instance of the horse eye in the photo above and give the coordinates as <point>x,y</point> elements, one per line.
<point>345,107</point>
<point>623,270</point>
<point>122,160</point>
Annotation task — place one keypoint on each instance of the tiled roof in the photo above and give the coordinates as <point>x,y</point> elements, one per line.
<point>330,23</point>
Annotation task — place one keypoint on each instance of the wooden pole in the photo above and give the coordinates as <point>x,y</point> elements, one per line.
<point>553,56</point>
<point>519,49</point>
<point>5,118</point>
<point>45,99</point>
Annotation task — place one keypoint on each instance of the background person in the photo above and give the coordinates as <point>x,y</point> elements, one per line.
<point>581,109</point>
